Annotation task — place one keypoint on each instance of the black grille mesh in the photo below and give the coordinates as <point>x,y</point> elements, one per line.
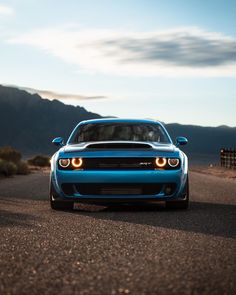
<point>119,163</point>
<point>115,188</point>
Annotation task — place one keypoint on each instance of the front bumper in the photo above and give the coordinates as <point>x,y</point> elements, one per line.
<point>87,177</point>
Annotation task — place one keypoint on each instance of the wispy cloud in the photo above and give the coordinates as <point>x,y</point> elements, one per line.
<point>178,52</point>
<point>61,96</point>
<point>6,10</point>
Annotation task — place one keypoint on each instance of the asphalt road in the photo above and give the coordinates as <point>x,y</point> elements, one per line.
<point>133,250</point>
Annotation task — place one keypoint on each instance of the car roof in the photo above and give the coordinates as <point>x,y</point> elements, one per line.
<point>119,120</point>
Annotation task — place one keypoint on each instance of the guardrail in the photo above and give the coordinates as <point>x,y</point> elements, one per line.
<point>228,158</point>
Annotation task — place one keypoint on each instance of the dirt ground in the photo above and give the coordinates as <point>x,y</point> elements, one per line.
<point>216,171</point>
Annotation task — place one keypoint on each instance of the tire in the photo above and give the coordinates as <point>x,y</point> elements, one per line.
<point>180,204</point>
<point>56,204</point>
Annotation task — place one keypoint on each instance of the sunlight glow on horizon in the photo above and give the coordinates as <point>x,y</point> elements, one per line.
<point>169,60</point>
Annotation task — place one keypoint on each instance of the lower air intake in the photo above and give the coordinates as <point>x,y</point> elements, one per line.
<point>113,188</point>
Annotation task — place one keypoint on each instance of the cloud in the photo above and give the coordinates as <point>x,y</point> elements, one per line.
<point>177,52</point>
<point>61,96</point>
<point>6,10</point>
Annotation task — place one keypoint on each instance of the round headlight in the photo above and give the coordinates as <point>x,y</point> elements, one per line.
<point>161,162</point>
<point>77,162</point>
<point>173,162</point>
<point>64,163</point>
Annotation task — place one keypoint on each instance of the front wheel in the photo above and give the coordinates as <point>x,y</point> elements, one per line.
<point>180,204</point>
<point>58,204</point>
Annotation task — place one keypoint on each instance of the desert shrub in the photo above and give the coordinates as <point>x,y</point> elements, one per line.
<point>10,154</point>
<point>7,168</point>
<point>10,162</point>
<point>22,168</point>
<point>2,167</point>
<point>41,161</point>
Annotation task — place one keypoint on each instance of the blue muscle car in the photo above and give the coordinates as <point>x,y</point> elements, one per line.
<point>108,161</point>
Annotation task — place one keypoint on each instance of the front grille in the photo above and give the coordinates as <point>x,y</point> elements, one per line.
<point>119,163</point>
<point>114,188</point>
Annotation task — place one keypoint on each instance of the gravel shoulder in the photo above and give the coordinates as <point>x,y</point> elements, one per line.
<point>216,171</point>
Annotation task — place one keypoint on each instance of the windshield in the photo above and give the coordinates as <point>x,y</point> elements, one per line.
<point>120,132</point>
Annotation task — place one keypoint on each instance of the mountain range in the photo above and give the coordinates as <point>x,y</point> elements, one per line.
<point>29,123</point>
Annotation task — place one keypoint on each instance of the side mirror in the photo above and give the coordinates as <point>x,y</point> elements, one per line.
<point>58,141</point>
<point>180,140</point>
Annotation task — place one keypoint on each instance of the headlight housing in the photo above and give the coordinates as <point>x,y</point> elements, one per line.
<point>167,163</point>
<point>64,163</point>
<point>77,162</point>
<point>173,162</point>
<point>70,164</point>
<point>161,162</point>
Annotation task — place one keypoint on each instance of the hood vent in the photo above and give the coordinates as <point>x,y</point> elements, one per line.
<point>118,146</point>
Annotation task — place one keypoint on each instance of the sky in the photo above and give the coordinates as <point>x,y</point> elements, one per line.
<point>172,60</point>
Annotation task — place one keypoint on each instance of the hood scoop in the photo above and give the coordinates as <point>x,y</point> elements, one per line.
<point>118,145</point>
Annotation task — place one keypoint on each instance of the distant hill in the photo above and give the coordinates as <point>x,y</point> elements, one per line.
<point>29,123</point>
<point>204,142</point>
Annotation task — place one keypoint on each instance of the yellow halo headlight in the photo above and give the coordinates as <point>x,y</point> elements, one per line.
<point>77,162</point>
<point>161,162</point>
